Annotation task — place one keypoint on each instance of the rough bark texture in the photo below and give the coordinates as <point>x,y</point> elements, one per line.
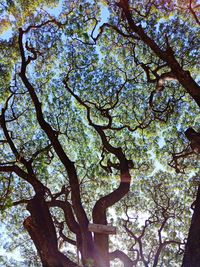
<point>192,250</point>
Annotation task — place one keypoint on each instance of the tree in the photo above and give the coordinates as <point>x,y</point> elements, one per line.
<point>83,112</point>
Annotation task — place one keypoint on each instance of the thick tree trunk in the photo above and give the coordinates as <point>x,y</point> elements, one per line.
<point>102,248</point>
<point>192,250</point>
<point>99,216</point>
<point>42,231</point>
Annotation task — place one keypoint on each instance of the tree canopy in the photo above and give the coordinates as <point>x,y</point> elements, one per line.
<point>99,129</point>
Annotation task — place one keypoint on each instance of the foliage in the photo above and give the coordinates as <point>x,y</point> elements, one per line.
<point>85,106</point>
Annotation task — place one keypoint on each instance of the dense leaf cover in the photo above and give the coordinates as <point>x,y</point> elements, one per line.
<point>95,98</point>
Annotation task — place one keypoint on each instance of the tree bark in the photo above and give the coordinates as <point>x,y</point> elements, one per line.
<point>42,231</point>
<point>99,217</point>
<point>192,250</point>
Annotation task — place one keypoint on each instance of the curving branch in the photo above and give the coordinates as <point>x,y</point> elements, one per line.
<point>168,76</point>
<point>118,254</point>
<point>68,213</point>
<point>192,9</point>
<point>101,206</point>
<point>167,55</point>
<point>194,138</point>
<point>68,164</point>
<point>29,176</point>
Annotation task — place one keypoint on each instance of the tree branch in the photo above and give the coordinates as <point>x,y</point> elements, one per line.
<point>167,56</point>
<point>123,258</point>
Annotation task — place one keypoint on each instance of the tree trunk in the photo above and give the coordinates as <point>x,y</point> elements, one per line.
<point>42,231</point>
<point>101,241</point>
<point>192,250</point>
